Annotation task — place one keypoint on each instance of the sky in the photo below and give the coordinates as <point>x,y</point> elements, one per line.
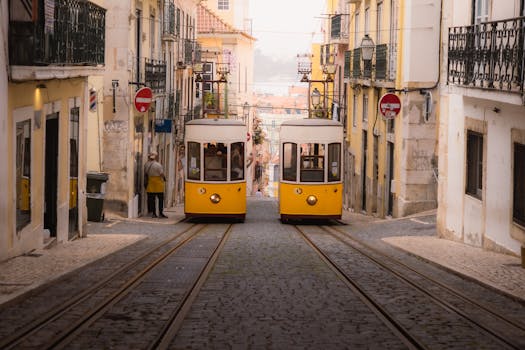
<point>284,28</point>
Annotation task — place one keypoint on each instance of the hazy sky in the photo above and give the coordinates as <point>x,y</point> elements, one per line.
<point>284,28</point>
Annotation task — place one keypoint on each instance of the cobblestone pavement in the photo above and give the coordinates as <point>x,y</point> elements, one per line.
<point>23,273</point>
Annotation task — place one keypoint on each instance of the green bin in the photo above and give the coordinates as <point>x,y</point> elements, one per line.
<point>95,193</point>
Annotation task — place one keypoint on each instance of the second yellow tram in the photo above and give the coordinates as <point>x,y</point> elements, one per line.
<point>310,184</point>
<point>215,174</point>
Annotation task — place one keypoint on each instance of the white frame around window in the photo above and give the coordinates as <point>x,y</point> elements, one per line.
<point>481,11</point>
<point>223,5</point>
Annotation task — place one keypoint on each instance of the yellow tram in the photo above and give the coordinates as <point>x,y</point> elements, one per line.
<point>215,181</point>
<point>310,184</point>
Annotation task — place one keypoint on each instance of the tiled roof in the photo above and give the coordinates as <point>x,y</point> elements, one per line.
<point>209,22</point>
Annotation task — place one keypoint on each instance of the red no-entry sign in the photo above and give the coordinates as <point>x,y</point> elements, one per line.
<point>143,98</point>
<point>389,105</point>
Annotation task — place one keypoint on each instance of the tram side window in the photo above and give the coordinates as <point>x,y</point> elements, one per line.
<point>23,174</point>
<point>334,160</point>
<point>312,162</point>
<point>194,156</point>
<point>237,161</point>
<point>215,161</point>
<point>289,161</point>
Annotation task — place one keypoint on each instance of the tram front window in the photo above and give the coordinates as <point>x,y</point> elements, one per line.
<point>334,160</point>
<point>215,161</point>
<point>237,161</point>
<point>312,162</point>
<point>289,161</point>
<point>194,164</point>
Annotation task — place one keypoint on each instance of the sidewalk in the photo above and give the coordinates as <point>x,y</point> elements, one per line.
<point>23,273</point>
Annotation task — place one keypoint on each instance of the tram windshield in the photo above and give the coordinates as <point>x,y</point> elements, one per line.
<point>237,161</point>
<point>215,161</point>
<point>194,164</point>
<point>312,162</point>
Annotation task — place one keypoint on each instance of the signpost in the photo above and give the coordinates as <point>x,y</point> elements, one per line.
<point>389,105</point>
<point>143,98</point>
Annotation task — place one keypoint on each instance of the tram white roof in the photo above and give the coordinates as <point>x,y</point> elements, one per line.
<point>215,130</point>
<point>311,130</point>
<point>311,122</point>
<point>215,121</point>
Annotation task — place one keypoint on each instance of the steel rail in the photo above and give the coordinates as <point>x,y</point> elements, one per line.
<point>436,298</point>
<point>396,327</point>
<point>15,338</point>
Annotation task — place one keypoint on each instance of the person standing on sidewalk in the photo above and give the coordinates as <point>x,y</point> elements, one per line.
<point>154,172</point>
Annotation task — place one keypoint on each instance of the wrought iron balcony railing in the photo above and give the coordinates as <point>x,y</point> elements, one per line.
<point>488,55</point>
<point>382,66</point>
<point>155,74</point>
<point>63,32</point>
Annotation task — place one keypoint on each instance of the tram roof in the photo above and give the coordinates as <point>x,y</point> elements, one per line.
<point>312,122</point>
<point>215,121</point>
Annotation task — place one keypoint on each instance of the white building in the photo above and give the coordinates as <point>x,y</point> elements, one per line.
<point>482,125</point>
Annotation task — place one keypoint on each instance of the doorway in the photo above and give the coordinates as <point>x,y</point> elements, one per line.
<point>51,174</point>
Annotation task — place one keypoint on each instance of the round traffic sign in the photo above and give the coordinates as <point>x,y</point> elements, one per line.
<point>389,105</point>
<point>143,98</point>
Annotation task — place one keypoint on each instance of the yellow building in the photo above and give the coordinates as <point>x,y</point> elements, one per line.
<point>44,121</point>
<point>393,47</point>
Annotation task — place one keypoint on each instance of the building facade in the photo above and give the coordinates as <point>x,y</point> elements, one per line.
<point>391,161</point>
<point>482,125</point>
<point>52,51</point>
<point>153,49</point>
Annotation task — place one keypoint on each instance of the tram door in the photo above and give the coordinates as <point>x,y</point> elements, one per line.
<point>51,174</point>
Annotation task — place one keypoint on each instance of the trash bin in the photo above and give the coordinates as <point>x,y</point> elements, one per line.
<point>95,193</point>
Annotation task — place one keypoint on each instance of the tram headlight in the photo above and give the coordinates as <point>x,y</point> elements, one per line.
<point>215,198</point>
<point>311,200</point>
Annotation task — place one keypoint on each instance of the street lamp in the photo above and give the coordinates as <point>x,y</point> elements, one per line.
<point>315,98</point>
<point>367,48</point>
<point>245,111</point>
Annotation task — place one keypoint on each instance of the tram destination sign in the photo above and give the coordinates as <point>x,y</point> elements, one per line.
<point>389,105</point>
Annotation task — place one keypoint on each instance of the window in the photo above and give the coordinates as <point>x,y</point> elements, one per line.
<point>194,155</point>
<point>379,22</point>
<point>237,161</point>
<point>312,162</point>
<point>289,161</point>
<point>518,212</point>
<point>334,162</point>
<point>357,39</point>
<point>223,4</point>
<point>474,164</point>
<point>367,20</point>
<point>481,11</point>
<point>23,174</point>
<point>365,108</point>
<point>215,159</point>
<point>354,111</point>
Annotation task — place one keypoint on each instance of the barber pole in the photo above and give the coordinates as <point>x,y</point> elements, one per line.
<point>92,100</point>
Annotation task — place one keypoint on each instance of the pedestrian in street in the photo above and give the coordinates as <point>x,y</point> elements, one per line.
<point>154,172</point>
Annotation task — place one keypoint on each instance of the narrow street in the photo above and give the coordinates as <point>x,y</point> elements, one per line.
<point>263,285</point>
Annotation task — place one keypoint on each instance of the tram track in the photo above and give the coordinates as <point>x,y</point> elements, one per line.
<point>80,312</point>
<point>508,332</point>
<point>388,319</point>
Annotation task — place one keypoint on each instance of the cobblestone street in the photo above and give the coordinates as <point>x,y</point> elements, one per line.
<point>268,289</point>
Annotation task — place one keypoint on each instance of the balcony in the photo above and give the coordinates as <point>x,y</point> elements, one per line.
<point>381,68</point>
<point>155,75</point>
<point>338,30</point>
<point>488,55</point>
<point>63,33</point>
